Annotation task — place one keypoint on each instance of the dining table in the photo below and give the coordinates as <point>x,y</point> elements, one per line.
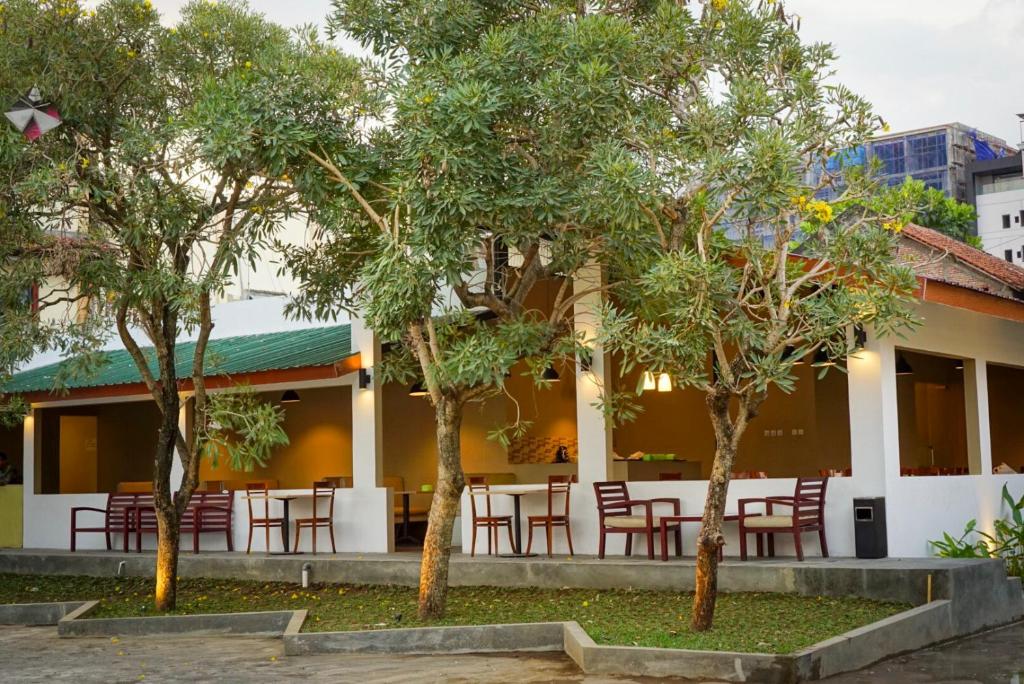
<point>517,492</point>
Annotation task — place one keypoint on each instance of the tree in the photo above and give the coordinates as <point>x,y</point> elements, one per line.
<point>738,272</point>
<point>932,208</point>
<point>171,167</point>
<point>478,185</point>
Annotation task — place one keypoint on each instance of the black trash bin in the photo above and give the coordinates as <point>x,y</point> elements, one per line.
<point>869,527</point>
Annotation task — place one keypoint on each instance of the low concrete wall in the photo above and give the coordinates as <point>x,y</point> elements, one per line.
<point>275,623</point>
<point>33,614</point>
<point>544,636</point>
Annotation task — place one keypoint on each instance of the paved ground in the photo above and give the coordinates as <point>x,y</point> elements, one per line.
<point>991,658</point>
<point>36,654</point>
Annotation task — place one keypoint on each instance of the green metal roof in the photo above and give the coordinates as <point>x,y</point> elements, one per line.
<point>226,356</point>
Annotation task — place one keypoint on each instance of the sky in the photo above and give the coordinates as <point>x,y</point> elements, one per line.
<point>920,62</point>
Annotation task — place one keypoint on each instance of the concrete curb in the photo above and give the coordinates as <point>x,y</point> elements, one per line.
<point>540,636</point>
<point>271,623</point>
<point>907,631</point>
<point>35,614</point>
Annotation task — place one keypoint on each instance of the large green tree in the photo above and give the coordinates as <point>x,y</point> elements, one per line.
<point>738,272</point>
<point>932,208</point>
<point>180,156</point>
<point>478,184</point>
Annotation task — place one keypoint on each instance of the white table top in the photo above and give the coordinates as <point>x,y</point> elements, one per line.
<point>285,495</point>
<point>511,490</point>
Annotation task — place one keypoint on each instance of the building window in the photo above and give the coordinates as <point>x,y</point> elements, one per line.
<point>926,152</point>
<point>892,158</point>
<point>1006,220</point>
<point>1008,255</point>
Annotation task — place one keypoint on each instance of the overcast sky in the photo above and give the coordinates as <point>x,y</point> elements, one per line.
<point>921,62</point>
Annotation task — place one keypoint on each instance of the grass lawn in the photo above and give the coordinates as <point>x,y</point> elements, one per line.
<point>766,623</point>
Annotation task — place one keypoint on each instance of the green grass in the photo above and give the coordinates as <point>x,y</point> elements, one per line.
<point>767,623</point>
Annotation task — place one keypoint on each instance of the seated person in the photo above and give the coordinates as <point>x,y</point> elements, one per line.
<point>8,473</point>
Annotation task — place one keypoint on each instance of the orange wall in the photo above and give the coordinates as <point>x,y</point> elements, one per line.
<point>320,430</point>
<point>1006,411</point>
<point>677,422</point>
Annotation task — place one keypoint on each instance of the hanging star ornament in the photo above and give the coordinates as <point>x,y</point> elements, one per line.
<point>32,115</point>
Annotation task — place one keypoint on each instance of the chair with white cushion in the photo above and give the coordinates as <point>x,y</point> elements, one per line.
<point>615,508</point>
<point>804,512</point>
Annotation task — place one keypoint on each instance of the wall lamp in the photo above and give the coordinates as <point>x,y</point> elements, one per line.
<point>550,374</point>
<point>365,379</point>
<point>290,397</point>
<point>418,389</point>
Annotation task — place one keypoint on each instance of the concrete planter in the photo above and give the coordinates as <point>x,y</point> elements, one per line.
<point>858,648</point>
<point>34,614</point>
<point>77,624</point>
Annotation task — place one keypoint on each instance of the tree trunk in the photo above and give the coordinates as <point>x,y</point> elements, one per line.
<point>710,538</point>
<point>168,514</point>
<point>443,511</point>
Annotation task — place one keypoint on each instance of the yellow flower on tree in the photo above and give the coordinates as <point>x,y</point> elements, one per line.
<point>821,210</point>
<point>719,4</point>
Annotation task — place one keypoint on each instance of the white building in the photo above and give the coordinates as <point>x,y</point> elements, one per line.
<point>921,420</point>
<point>998,186</point>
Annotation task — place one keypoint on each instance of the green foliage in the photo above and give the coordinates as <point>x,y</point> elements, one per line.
<point>933,209</point>
<point>182,155</point>
<point>244,427</point>
<point>1006,541</point>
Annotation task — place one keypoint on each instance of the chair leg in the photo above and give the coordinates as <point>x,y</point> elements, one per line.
<point>248,546</point>
<point>312,528</point>
<point>799,545</point>
<point>629,543</point>
<point>663,538</point>
<point>298,533</point>
<point>195,541</point>
<point>529,538</point>
<point>824,544</point>
<point>600,546</point>
<point>568,538</point>
<point>549,529</point>
<point>679,540</point>
<point>491,539</point>
<point>472,542</point>
<point>267,528</point>
<point>650,543</point>
<point>771,545</point>
<point>759,538</point>
<point>511,540</point>
<point>231,544</point>
<point>331,529</point>
<point>743,544</point>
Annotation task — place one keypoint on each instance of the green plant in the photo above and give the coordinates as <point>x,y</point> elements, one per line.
<point>1006,540</point>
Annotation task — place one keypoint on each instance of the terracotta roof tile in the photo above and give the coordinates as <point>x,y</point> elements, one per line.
<point>994,267</point>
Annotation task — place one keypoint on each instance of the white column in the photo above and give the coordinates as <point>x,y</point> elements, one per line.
<point>177,471</point>
<point>367,405</point>
<point>374,528</point>
<point>29,459</point>
<point>874,424</point>
<point>593,431</point>
<point>979,438</point>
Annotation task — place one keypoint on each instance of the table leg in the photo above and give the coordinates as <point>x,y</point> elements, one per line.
<point>406,536</point>
<point>285,526</point>
<point>516,517</point>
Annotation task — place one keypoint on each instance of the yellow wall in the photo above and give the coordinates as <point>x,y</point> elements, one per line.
<point>125,440</point>
<point>677,422</point>
<point>319,428</point>
<point>1006,410</point>
<point>930,403</point>
<point>11,513</point>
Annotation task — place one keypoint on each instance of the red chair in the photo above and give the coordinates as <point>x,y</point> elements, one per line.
<point>321,490</point>
<point>615,511</point>
<point>806,514</point>
<point>259,491</point>
<point>492,523</point>
<point>558,485</point>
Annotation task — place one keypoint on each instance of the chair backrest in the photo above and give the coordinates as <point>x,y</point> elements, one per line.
<point>117,503</point>
<point>758,475</point>
<point>809,500</point>
<point>477,485</point>
<point>558,485</point>
<point>669,477</point>
<point>341,481</point>
<point>323,490</point>
<point>256,490</point>
<point>221,503</point>
<point>611,498</point>
<point>740,475</point>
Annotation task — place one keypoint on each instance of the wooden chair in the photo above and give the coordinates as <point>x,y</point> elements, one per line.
<point>558,485</point>
<point>492,523</point>
<point>258,490</point>
<point>615,512</point>
<point>321,490</point>
<point>806,514</point>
